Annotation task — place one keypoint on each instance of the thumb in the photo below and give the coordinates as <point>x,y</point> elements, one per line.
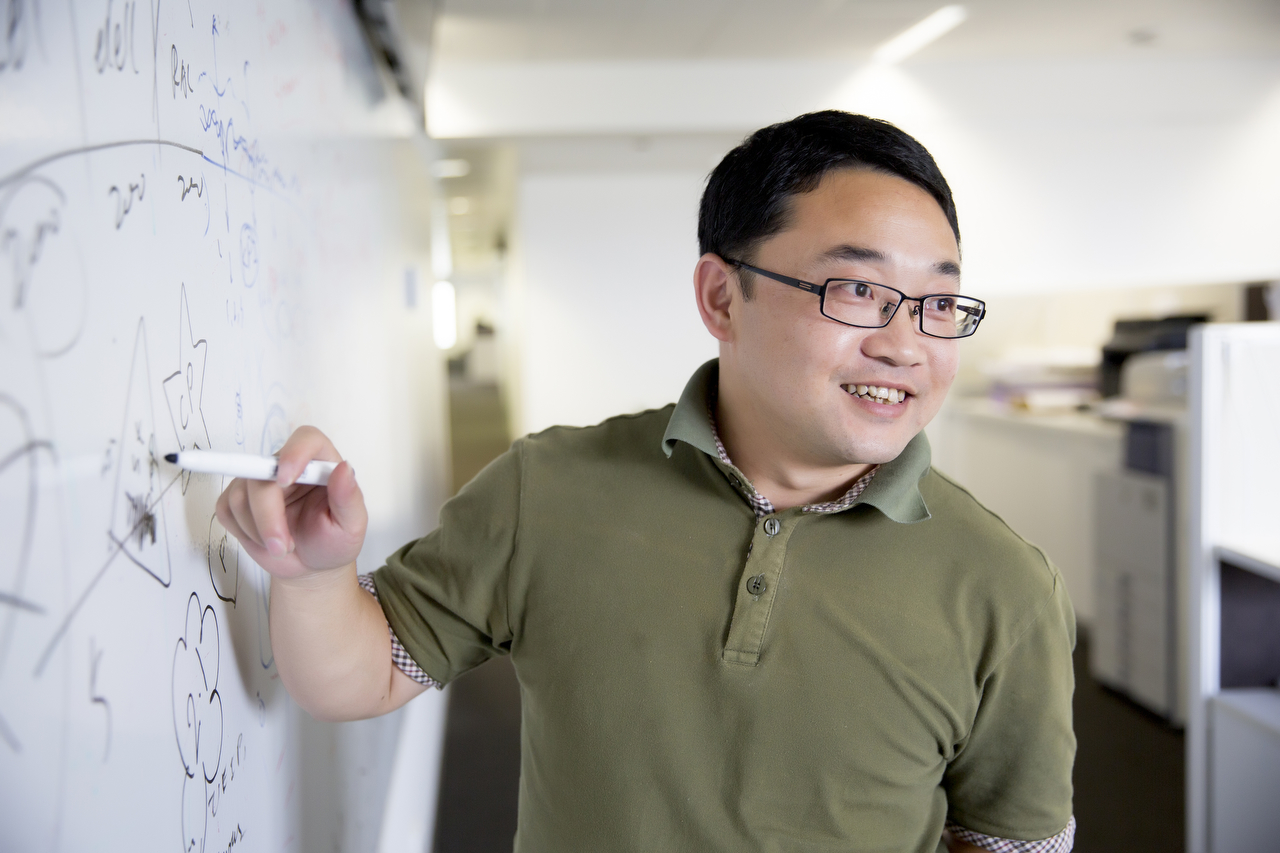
<point>346,501</point>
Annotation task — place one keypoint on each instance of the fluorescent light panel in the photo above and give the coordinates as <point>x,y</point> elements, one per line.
<point>451,168</point>
<point>444,315</point>
<point>919,35</point>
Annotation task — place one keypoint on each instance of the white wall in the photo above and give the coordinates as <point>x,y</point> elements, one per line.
<point>1081,172</point>
<point>607,322</point>
<point>1069,175</point>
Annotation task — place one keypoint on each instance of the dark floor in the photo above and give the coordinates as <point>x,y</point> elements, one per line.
<point>1130,772</point>
<point>1129,764</point>
<point>481,774</point>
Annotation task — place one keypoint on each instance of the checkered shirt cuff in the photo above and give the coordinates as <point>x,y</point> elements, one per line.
<point>1060,843</point>
<point>399,656</point>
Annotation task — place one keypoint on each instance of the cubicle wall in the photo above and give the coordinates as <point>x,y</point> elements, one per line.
<point>1234,589</point>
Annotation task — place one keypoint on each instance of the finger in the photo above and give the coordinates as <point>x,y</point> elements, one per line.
<point>266,504</point>
<point>222,509</point>
<point>305,444</point>
<point>346,501</point>
<point>242,514</point>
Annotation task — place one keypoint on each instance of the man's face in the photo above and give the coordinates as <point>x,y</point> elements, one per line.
<point>798,368</point>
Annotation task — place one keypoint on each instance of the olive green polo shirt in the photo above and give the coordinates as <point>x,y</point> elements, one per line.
<point>695,678</point>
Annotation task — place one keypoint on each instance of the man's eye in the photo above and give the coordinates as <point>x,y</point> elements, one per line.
<point>862,289</point>
<point>945,305</point>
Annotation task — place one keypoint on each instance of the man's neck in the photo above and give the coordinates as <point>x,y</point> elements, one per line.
<point>767,461</point>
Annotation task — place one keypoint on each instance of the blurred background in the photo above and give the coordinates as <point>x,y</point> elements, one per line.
<point>1116,166</point>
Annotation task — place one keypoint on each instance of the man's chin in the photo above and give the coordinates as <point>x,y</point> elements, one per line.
<point>875,452</point>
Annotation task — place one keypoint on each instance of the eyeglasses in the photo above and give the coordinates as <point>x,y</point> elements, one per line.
<point>868,305</point>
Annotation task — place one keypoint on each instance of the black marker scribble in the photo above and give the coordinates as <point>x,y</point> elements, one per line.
<point>223,556</point>
<point>226,777</point>
<point>124,198</point>
<point>188,185</point>
<point>184,388</point>
<point>19,487</point>
<point>180,74</point>
<point>142,520</point>
<point>69,617</point>
<point>137,518</point>
<point>16,24</point>
<point>30,214</point>
<point>95,658</point>
<point>114,46</point>
<point>23,171</point>
<point>237,835</point>
<point>197,717</point>
<point>20,603</point>
<point>40,273</point>
<point>9,737</point>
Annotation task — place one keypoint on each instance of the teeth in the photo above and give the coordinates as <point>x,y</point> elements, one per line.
<point>877,393</point>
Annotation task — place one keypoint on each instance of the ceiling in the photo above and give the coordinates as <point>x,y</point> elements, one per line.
<point>569,30</point>
<point>715,31</point>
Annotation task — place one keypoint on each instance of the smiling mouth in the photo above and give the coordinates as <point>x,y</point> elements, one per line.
<point>877,394</point>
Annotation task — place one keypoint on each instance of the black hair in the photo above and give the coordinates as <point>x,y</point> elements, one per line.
<point>748,195</point>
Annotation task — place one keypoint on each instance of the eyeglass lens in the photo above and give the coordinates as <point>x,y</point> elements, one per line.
<point>861,303</point>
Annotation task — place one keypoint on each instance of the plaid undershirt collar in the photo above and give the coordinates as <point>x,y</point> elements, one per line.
<point>761,505</point>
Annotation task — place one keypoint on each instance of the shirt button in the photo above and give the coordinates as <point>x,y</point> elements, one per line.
<point>756,584</point>
<point>771,527</point>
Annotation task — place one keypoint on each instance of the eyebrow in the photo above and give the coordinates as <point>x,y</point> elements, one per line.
<point>847,252</point>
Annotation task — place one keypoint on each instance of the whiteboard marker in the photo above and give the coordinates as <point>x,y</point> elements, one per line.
<point>248,467</point>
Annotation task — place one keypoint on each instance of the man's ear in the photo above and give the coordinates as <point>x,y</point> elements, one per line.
<point>714,289</point>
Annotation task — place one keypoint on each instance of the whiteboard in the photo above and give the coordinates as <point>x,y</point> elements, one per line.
<point>206,239</point>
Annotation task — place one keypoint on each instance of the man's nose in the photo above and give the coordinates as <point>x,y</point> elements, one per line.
<point>898,342</point>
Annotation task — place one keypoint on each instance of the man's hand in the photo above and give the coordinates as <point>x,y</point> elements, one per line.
<point>292,530</point>
<point>329,637</point>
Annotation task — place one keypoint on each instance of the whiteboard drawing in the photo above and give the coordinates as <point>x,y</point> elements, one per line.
<point>184,388</point>
<point>30,213</point>
<point>19,493</point>
<point>248,255</point>
<point>223,555</point>
<point>114,572</point>
<point>45,288</point>
<point>97,698</point>
<point>125,195</point>
<point>197,717</point>
<point>113,47</point>
<point>137,515</point>
<point>16,25</point>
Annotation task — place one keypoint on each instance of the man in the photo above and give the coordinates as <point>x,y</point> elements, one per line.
<point>756,620</point>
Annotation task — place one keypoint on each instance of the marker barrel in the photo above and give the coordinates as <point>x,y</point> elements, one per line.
<point>250,467</point>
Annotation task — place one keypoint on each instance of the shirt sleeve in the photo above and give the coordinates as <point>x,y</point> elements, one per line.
<point>1011,776</point>
<point>445,595</point>
<point>1063,842</point>
<point>399,656</point>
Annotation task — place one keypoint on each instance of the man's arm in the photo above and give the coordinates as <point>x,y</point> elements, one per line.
<point>332,647</point>
<point>329,637</point>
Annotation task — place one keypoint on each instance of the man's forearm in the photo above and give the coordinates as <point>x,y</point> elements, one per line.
<point>332,648</point>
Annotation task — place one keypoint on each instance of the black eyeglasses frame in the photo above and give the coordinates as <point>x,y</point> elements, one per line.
<point>821,290</point>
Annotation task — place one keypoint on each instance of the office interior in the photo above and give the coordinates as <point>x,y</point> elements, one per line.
<point>1116,171</point>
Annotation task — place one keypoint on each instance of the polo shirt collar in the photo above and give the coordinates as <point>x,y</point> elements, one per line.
<point>895,489</point>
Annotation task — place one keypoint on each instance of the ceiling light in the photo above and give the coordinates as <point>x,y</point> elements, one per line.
<point>444,315</point>
<point>919,35</point>
<point>460,205</point>
<point>451,168</point>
